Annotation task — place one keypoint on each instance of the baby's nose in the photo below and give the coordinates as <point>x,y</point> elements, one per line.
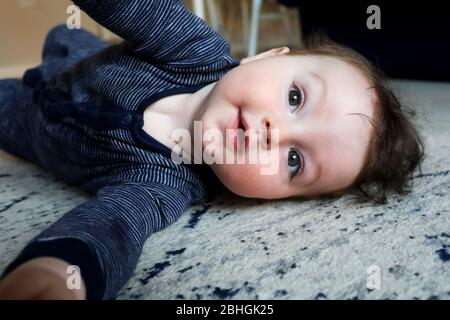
<point>265,136</point>
<point>271,135</point>
<point>275,131</point>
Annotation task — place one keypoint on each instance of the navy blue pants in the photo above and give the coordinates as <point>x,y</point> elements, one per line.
<point>20,118</point>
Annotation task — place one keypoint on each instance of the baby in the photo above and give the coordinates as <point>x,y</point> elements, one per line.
<point>320,120</point>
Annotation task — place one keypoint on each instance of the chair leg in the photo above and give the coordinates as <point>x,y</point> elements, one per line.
<point>286,23</point>
<point>199,8</point>
<point>245,22</point>
<point>214,15</point>
<point>253,39</point>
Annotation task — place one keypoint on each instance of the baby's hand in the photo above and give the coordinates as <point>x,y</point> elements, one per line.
<point>42,278</point>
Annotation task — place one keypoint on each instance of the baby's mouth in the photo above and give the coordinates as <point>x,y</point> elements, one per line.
<point>238,127</point>
<point>241,125</point>
<point>242,137</point>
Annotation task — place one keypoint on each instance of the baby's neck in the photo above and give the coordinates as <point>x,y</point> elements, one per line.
<point>175,112</point>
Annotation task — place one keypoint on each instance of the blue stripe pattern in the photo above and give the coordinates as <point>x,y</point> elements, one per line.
<point>85,125</point>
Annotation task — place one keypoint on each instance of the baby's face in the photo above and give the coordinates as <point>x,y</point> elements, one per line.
<point>322,146</point>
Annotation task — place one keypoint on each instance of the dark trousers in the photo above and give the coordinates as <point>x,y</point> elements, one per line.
<point>23,128</point>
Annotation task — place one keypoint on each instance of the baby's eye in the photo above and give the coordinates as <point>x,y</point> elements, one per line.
<point>295,162</point>
<point>296,98</point>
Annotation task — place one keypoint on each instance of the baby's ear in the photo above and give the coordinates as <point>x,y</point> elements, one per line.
<point>269,53</point>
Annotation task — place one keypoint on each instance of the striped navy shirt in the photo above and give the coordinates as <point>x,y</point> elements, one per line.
<point>89,98</point>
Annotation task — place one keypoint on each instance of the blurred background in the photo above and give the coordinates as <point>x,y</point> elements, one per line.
<point>413,41</point>
<point>24,24</point>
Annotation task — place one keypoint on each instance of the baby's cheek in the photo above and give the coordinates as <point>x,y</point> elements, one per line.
<point>250,182</point>
<point>239,179</point>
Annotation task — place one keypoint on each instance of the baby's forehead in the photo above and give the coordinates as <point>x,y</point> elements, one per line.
<point>335,71</point>
<point>344,76</point>
<point>324,64</point>
<point>348,89</point>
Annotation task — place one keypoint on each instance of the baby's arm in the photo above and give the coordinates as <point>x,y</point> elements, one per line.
<point>160,30</point>
<point>104,236</point>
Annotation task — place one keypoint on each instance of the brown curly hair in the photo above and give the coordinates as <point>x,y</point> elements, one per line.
<point>396,147</point>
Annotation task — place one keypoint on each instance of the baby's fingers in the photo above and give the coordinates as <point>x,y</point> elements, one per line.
<point>38,279</point>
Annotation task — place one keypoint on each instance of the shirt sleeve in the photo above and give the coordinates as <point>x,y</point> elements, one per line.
<point>104,236</point>
<point>161,30</point>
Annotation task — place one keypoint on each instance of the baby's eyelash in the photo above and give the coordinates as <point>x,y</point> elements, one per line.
<point>302,97</point>
<point>293,174</point>
<point>302,92</point>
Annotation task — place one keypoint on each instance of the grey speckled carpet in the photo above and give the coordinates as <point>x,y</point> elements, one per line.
<point>236,248</point>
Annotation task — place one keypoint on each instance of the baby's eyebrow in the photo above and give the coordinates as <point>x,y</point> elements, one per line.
<point>322,86</point>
